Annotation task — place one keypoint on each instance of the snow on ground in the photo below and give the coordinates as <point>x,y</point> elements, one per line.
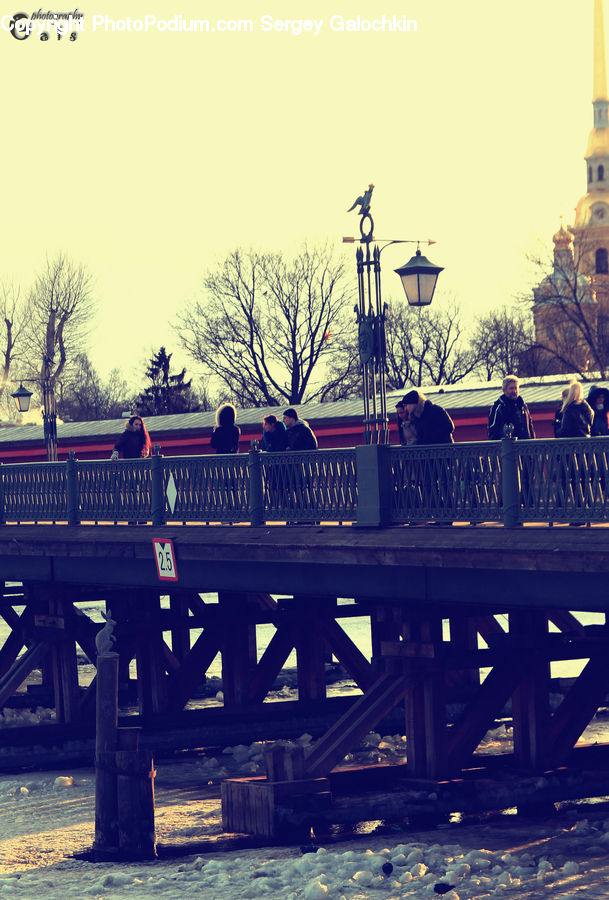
<point>46,817</point>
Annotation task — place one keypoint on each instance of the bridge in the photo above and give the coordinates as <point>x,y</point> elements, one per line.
<point>430,594</point>
<point>508,482</point>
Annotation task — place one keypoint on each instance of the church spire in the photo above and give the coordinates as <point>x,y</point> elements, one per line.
<point>593,208</point>
<point>600,100</point>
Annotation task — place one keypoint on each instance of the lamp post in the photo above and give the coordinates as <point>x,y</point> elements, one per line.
<point>23,398</point>
<point>418,276</point>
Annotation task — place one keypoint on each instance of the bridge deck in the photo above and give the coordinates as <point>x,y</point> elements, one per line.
<point>487,565</point>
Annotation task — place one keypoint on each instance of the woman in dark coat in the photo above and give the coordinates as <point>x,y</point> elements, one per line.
<point>134,442</point>
<point>225,436</point>
<point>576,423</point>
<point>598,399</point>
<point>576,414</point>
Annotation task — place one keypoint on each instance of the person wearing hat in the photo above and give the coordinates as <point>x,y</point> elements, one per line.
<point>598,399</point>
<point>510,409</point>
<point>433,424</point>
<point>300,435</point>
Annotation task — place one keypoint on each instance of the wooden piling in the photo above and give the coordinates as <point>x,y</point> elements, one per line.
<point>106,805</point>
<point>135,791</point>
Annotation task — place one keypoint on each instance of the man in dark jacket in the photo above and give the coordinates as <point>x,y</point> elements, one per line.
<point>274,434</point>
<point>598,399</point>
<point>300,436</point>
<point>433,424</point>
<point>510,409</point>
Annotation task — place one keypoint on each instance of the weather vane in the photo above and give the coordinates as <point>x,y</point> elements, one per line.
<point>364,204</point>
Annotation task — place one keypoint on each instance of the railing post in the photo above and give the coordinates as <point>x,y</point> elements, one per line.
<point>72,491</point>
<point>510,482</point>
<point>256,490</point>
<point>158,487</point>
<point>374,485</point>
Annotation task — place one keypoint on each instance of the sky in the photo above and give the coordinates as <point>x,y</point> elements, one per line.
<point>148,155</point>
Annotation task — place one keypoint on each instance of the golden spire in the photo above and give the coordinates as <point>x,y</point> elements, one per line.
<point>600,67</point>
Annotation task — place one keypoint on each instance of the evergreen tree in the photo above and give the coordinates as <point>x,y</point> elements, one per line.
<point>166,393</point>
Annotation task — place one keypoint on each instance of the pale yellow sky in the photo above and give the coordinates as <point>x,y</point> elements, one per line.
<point>148,155</point>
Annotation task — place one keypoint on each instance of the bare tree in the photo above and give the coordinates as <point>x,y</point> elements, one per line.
<point>426,346</point>
<point>502,341</point>
<point>271,330</point>
<point>14,317</point>
<point>85,397</point>
<point>61,308</point>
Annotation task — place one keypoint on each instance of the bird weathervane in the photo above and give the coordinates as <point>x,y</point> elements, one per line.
<point>364,211</point>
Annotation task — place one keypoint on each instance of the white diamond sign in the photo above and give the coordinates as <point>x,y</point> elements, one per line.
<point>171,492</point>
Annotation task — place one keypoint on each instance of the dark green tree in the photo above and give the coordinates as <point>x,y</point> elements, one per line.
<point>166,393</point>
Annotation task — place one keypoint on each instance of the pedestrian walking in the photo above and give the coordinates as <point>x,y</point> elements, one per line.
<point>510,409</point>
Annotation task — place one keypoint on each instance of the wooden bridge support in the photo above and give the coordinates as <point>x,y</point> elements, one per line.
<point>418,666</point>
<point>311,648</point>
<point>238,647</point>
<point>531,698</point>
<point>149,654</point>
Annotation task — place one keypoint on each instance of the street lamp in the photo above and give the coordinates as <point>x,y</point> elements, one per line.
<point>418,276</point>
<point>49,414</point>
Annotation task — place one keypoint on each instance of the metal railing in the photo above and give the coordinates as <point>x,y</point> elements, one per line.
<point>505,481</point>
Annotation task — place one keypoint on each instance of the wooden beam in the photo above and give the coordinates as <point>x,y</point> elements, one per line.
<point>238,648</point>
<point>579,706</point>
<point>278,649</point>
<point>151,678</point>
<point>466,734</point>
<point>361,717</point>
<point>180,635</point>
<point>20,670</point>
<point>181,684</point>
<point>425,700</point>
<point>63,659</point>
<point>531,698</point>
<point>348,654</point>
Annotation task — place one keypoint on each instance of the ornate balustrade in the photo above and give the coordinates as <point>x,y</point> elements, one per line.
<point>495,481</point>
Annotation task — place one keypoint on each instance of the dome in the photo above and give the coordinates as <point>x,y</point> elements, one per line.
<point>558,288</point>
<point>563,238</point>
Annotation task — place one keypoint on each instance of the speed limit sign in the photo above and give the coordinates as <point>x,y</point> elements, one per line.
<point>165,559</point>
